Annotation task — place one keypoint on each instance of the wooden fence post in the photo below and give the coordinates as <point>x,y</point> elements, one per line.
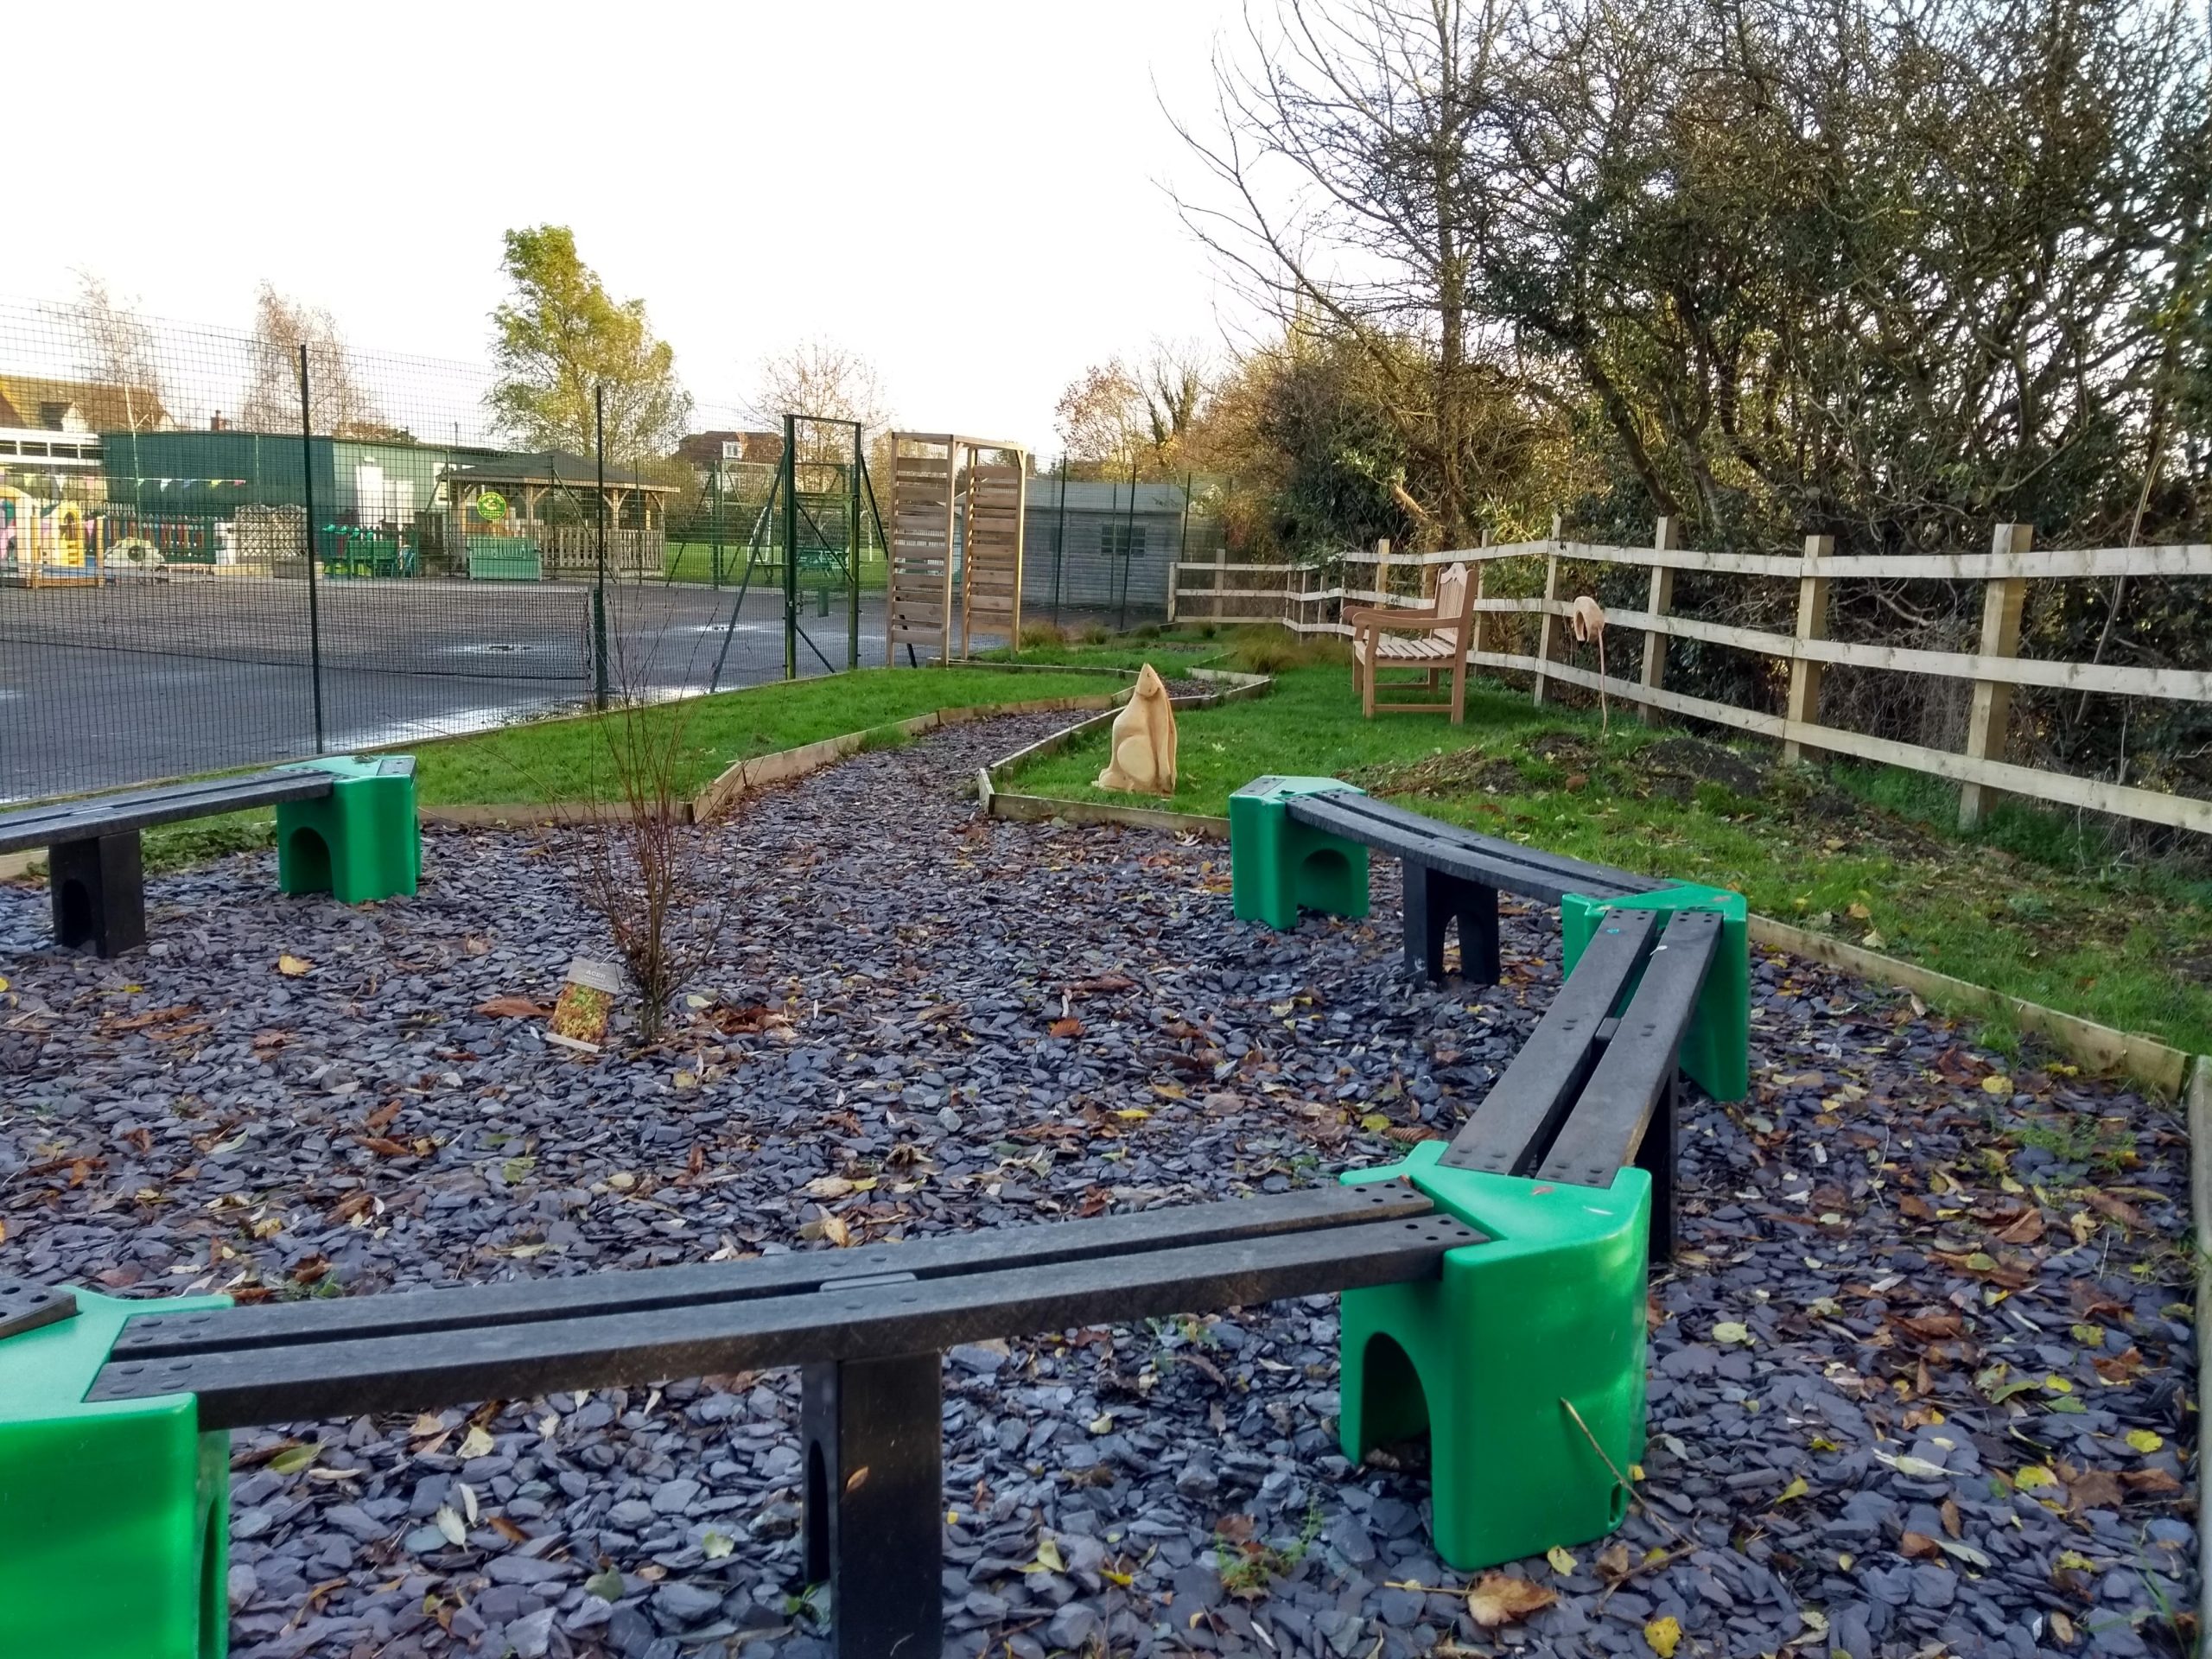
<point>1812,624</point>
<point>2002,598</point>
<point>1544,628</point>
<point>1661,601</point>
<point>1382,571</point>
<point>1475,632</point>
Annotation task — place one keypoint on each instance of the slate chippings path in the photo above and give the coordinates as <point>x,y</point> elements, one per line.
<point>1919,1379</point>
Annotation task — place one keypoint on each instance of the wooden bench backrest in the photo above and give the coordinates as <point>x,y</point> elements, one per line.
<point>1454,600</point>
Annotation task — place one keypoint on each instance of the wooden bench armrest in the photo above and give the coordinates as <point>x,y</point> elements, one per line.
<point>1369,616</point>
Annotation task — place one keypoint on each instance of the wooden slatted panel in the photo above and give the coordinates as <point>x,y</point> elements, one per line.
<point>992,576</point>
<point>918,594</point>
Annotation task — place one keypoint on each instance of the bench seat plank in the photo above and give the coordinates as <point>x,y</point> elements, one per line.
<point>1508,1132</point>
<point>1462,853</point>
<point>143,809</point>
<point>1609,1121</point>
<point>861,1318</point>
<point>154,1335</point>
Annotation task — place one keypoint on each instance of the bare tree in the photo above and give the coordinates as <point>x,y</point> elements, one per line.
<point>339,405</point>
<point>1351,165</point>
<point>1100,416</point>
<point>642,865</point>
<point>116,348</point>
<point>820,376</point>
<point>1115,415</point>
<point>1174,382</point>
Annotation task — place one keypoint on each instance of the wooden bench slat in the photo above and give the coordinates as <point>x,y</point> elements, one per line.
<point>1607,1127</point>
<point>418,1312</point>
<point>888,1315</point>
<point>1508,1132</point>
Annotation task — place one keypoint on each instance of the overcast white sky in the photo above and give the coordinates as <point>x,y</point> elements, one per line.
<point>966,192</point>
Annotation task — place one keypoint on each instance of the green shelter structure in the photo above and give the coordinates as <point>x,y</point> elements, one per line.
<point>513,513</point>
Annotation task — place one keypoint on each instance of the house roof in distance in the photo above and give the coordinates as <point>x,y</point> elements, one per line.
<point>40,403</point>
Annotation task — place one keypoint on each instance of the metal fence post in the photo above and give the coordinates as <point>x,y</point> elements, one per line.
<point>791,547</point>
<point>1060,542</point>
<point>715,580</point>
<point>1182,551</point>
<point>1128,546</point>
<point>853,556</point>
<point>598,587</point>
<point>306,509</point>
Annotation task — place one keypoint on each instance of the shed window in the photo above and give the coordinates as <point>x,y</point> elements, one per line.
<point>1121,541</point>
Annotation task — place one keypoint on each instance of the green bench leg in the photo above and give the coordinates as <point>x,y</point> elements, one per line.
<point>116,1516</point>
<point>1276,866</point>
<point>1488,1356</point>
<point>1717,1048</point>
<point>359,843</point>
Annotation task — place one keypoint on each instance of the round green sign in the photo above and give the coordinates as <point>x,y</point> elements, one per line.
<point>491,506</point>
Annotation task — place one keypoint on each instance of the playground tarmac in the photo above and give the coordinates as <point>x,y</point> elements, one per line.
<point>104,688</point>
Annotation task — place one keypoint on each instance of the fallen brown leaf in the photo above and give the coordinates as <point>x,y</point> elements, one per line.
<point>2091,1489</point>
<point>1499,1599</point>
<point>1939,1326</point>
<point>2150,1482</point>
<point>513,1007</point>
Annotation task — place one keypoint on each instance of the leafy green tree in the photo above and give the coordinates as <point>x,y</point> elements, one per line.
<point>561,336</point>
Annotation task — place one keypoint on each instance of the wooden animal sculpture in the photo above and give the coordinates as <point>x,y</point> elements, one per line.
<point>1144,741</point>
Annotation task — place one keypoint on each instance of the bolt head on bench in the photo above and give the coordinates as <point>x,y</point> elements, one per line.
<point>1278,867</point>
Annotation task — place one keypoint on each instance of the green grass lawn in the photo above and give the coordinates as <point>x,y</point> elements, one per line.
<point>569,760</point>
<point>2025,907</point>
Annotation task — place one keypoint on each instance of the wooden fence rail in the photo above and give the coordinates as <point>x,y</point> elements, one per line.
<point>1307,599</point>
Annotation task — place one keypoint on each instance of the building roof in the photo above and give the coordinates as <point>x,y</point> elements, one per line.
<point>548,467</point>
<point>38,402</point>
<point>705,448</point>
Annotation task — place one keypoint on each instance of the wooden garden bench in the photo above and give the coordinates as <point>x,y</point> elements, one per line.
<point>1433,638</point>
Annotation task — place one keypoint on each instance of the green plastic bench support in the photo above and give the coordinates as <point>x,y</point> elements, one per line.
<point>1716,1050</point>
<point>116,1515</point>
<point>359,843</point>
<point>1276,866</point>
<point>1488,1356</point>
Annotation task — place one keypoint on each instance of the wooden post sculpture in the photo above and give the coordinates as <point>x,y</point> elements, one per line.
<point>1143,760</point>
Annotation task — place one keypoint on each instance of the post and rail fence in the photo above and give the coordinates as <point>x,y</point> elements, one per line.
<point>1309,599</point>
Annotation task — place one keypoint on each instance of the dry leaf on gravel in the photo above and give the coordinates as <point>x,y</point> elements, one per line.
<point>513,1007</point>
<point>1499,1599</point>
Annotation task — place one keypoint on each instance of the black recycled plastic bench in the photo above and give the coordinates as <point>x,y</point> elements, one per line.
<point>95,864</point>
<point>1302,843</point>
<point>1592,1092</point>
<point>866,1326</point>
<point>1456,874</point>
